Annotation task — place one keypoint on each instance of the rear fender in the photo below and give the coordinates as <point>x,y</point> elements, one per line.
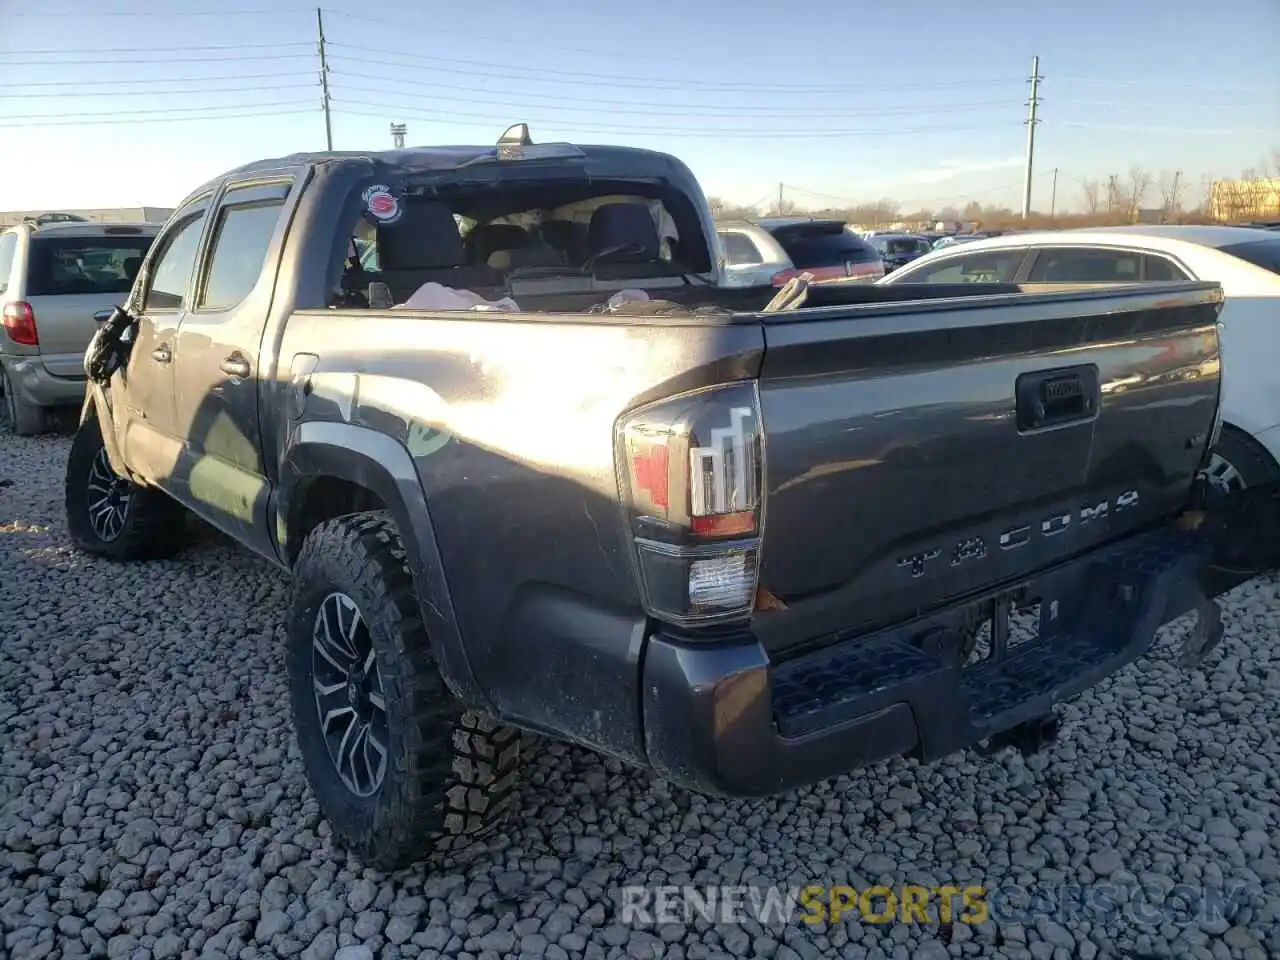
<point>375,461</point>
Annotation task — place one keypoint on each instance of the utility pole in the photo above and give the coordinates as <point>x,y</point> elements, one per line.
<point>1053,197</point>
<point>1174,205</point>
<point>779,199</point>
<point>324,83</point>
<point>1032,104</point>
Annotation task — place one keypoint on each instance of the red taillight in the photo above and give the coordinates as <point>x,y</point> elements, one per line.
<point>20,324</point>
<point>691,473</point>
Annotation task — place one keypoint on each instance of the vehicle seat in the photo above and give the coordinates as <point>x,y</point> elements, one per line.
<point>627,225</point>
<point>488,238</point>
<point>564,235</point>
<point>424,246</point>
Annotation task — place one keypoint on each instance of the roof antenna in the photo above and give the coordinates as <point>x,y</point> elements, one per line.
<point>513,141</point>
<point>517,134</point>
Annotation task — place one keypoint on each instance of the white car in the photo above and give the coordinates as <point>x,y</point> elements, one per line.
<point>1245,261</point>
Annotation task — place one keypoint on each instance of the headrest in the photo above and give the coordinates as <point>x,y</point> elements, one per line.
<point>424,238</point>
<point>488,238</point>
<point>558,233</point>
<point>621,225</point>
<point>131,267</point>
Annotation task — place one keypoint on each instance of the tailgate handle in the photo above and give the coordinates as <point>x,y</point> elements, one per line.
<point>1051,398</point>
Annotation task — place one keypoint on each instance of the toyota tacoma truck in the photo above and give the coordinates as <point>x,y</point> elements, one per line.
<point>535,470</point>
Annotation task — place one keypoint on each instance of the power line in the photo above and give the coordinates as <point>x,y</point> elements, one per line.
<point>20,119</point>
<point>954,198</point>
<point>66,62</point>
<point>151,50</point>
<point>597,80</point>
<point>1137,128</point>
<point>111,121</point>
<point>150,14</point>
<point>624,106</point>
<point>257,88</point>
<point>154,80</point>
<point>488,122</point>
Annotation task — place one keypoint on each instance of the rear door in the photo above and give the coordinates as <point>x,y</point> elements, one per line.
<point>69,278</point>
<point>828,250</point>
<point>222,475</point>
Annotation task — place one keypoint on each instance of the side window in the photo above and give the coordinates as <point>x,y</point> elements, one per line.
<point>1160,268</point>
<point>240,241</point>
<point>990,266</point>
<point>8,248</point>
<point>739,248</point>
<point>1085,266</point>
<point>170,271</point>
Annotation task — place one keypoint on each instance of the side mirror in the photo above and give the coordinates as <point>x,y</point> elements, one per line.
<point>102,316</point>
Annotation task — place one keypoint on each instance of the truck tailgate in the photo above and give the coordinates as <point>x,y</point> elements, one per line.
<point>921,451</point>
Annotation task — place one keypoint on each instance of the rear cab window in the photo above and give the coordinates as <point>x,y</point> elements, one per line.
<point>813,246</point>
<point>67,266</point>
<point>1260,253</point>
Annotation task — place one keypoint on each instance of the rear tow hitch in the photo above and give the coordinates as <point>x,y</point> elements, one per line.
<point>1029,737</point>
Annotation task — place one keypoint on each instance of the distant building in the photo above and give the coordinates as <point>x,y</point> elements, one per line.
<point>1245,199</point>
<point>113,215</point>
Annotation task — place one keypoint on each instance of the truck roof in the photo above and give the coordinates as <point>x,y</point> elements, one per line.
<point>626,161</point>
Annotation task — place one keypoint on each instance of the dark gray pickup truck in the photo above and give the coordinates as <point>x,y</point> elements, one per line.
<point>745,541</point>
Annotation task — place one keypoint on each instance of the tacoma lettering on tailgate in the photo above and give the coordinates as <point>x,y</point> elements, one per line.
<point>973,549</point>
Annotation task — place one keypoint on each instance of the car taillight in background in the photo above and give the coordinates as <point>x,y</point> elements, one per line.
<point>691,475</point>
<point>20,323</point>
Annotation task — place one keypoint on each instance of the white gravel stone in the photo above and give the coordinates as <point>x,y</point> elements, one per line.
<point>152,801</point>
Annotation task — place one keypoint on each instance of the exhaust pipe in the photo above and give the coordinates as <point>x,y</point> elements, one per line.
<point>1029,737</point>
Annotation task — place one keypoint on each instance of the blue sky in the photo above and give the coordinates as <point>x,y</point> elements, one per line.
<point>104,104</point>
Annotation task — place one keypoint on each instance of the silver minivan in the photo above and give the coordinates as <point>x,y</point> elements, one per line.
<point>53,277</point>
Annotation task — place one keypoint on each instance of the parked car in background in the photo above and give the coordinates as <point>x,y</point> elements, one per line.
<point>55,273</point>
<point>1245,261</point>
<point>899,249</point>
<point>954,238</point>
<point>772,251</point>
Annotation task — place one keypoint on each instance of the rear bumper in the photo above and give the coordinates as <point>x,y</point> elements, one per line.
<point>34,383</point>
<point>723,720</point>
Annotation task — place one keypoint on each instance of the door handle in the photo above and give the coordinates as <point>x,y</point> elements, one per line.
<point>161,354</point>
<point>236,366</point>
<point>1052,398</point>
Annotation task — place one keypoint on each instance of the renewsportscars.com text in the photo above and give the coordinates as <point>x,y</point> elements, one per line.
<point>910,903</point>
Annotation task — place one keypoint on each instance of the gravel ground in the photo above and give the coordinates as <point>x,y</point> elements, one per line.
<point>152,803</point>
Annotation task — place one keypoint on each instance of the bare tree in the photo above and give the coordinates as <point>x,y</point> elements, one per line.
<point>877,213</point>
<point>724,210</point>
<point>782,208</point>
<point>1172,189</point>
<point>1115,196</point>
<point>1135,191</point>
<point>1092,191</point>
